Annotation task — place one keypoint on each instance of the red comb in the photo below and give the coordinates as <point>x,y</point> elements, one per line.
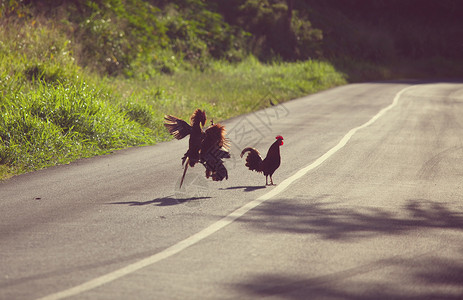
<point>279,137</point>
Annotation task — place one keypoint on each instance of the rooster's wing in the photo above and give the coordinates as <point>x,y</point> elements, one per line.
<point>177,127</point>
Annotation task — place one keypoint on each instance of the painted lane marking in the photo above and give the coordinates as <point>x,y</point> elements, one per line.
<point>227,220</point>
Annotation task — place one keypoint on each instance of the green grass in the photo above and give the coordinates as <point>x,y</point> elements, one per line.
<point>79,81</point>
<point>227,90</point>
<point>50,114</point>
<point>55,124</point>
<point>54,112</point>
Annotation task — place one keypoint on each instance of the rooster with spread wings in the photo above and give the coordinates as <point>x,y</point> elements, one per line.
<point>207,147</point>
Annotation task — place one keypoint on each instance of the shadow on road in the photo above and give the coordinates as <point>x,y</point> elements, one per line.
<point>245,188</point>
<point>333,221</point>
<point>435,279</point>
<point>162,201</point>
<point>431,275</point>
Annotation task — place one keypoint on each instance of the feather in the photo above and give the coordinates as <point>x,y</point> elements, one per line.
<point>177,127</point>
<point>253,160</point>
<point>198,117</point>
<point>214,135</point>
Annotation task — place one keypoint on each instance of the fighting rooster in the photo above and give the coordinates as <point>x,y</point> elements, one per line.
<point>269,164</point>
<point>207,147</point>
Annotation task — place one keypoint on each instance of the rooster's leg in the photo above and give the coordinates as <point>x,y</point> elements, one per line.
<point>266,179</point>
<point>271,180</point>
<point>184,171</point>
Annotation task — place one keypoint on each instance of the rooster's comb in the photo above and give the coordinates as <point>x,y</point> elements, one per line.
<point>279,137</point>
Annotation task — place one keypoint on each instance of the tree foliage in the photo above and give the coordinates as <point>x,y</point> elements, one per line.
<point>147,37</point>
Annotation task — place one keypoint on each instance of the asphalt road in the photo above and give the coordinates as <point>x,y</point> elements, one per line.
<point>368,205</point>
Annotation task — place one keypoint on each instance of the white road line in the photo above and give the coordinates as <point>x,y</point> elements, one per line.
<point>194,239</point>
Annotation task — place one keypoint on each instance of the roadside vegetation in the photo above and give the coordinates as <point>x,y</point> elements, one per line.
<point>83,78</point>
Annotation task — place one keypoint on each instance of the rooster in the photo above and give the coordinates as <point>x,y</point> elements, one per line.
<point>269,164</point>
<point>207,147</point>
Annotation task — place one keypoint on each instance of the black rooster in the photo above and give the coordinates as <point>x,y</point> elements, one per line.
<point>207,147</point>
<point>269,164</point>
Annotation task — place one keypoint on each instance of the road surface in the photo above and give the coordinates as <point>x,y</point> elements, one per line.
<point>368,205</point>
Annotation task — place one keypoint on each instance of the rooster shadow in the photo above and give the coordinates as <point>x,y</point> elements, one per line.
<point>162,201</point>
<point>245,188</point>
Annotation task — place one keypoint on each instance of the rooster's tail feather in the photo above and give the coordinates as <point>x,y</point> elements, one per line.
<point>253,160</point>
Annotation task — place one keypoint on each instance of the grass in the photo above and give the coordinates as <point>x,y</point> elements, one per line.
<point>54,124</point>
<point>58,102</point>
<point>61,98</point>
<point>54,112</point>
<point>227,90</point>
